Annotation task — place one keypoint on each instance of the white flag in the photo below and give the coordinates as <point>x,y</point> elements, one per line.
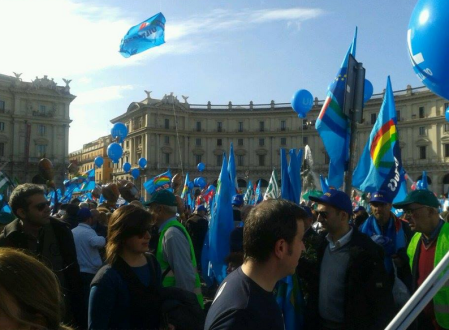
<point>272,191</point>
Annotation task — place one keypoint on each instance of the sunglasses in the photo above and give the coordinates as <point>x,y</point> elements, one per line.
<point>411,211</point>
<point>42,206</point>
<point>142,233</point>
<point>323,214</point>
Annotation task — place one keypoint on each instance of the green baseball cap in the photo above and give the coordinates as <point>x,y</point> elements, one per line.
<point>163,197</point>
<point>423,197</point>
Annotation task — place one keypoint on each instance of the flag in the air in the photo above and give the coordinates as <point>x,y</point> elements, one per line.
<point>380,165</point>
<point>186,187</point>
<point>294,174</point>
<point>148,34</point>
<point>324,184</point>
<point>248,198</point>
<point>286,187</point>
<point>231,169</point>
<point>259,196</point>
<point>333,125</point>
<point>159,182</point>
<point>272,191</point>
<point>5,182</point>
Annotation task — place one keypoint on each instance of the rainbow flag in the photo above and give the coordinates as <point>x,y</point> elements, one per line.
<point>185,190</point>
<point>159,182</point>
<point>333,125</point>
<point>380,166</point>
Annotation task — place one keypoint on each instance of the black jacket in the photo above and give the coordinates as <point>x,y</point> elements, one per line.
<point>368,299</point>
<point>12,236</point>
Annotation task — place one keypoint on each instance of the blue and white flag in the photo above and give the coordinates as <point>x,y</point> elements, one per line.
<point>148,34</point>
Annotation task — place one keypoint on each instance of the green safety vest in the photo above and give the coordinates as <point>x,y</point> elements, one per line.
<point>169,279</point>
<point>441,299</point>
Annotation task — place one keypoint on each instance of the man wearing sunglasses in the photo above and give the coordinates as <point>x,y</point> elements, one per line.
<point>50,240</point>
<point>353,290</point>
<point>426,249</point>
<point>390,232</point>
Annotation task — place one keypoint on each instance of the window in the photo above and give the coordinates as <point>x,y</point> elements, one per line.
<point>240,142</point>
<point>2,149</point>
<point>373,118</point>
<point>261,160</point>
<point>305,140</point>
<point>2,105</point>
<point>198,159</point>
<point>446,150</point>
<point>167,123</point>
<point>219,126</point>
<point>446,127</point>
<point>422,152</point>
<point>398,115</point>
<point>240,126</point>
<point>261,126</point>
<point>42,130</point>
<point>127,144</point>
<point>261,142</point>
<point>2,126</point>
<point>219,142</point>
<point>198,143</point>
<point>198,127</point>
<point>42,109</point>
<point>283,126</point>
<point>422,131</point>
<point>219,160</point>
<point>41,148</point>
<point>166,139</point>
<point>167,158</point>
<point>421,112</point>
<point>139,141</point>
<point>240,160</point>
<point>283,141</point>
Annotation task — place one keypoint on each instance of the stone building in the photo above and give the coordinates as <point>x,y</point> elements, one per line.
<point>84,159</point>
<point>175,134</point>
<point>34,123</point>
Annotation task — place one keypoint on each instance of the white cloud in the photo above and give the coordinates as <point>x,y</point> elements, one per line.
<point>100,95</point>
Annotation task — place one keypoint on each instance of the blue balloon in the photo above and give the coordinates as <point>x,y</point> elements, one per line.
<point>119,131</point>
<point>115,151</point>
<point>419,185</point>
<point>201,167</point>
<point>201,182</point>
<point>135,172</point>
<point>368,90</point>
<point>142,163</point>
<point>126,167</point>
<point>447,114</point>
<point>190,185</point>
<point>195,182</point>
<point>302,102</point>
<point>428,44</point>
<point>99,161</point>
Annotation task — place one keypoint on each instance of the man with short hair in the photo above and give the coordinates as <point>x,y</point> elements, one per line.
<point>47,238</point>
<point>390,232</point>
<point>88,245</point>
<point>175,251</point>
<point>354,291</point>
<point>272,243</point>
<point>426,249</point>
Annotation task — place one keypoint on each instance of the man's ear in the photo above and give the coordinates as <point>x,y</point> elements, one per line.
<point>20,212</point>
<point>280,248</point>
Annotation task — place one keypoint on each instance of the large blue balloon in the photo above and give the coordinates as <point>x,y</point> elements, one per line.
<point>302,102</point>
<point>368,90</point>
<point>99,161</point>
<point>142,163</point>
<point>428,44</point>
<point>201,182</point>
<point>447,114</point>
<point>115,151</point>
<point>126,167</point>
<point>135,172</point>
<point>190,185</point>
<point>119,131</point>
<point>195,182</point>
<point>201,167</point>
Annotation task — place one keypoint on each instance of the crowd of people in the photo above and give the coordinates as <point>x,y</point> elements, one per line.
<point>139,266</point>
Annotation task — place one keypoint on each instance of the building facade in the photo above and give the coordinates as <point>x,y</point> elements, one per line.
<point>85,157</point>
<point>173,134</point>
<point>34,123</point>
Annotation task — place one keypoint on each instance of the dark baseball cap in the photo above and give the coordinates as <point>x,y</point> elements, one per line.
<point>163,197</point>
<point>335,198</point>
<point>423,197</point>
<point>84,214</point>
<point>381,197</point>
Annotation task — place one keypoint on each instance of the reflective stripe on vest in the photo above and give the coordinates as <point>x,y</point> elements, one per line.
<point>169,279</point>
<point>441,299</point>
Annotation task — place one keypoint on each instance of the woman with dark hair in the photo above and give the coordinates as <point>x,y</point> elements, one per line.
<point>125,293</point>
<point>30,297</point>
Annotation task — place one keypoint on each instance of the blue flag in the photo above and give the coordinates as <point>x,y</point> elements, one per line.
<point>324,185</point>
<point>333,125</point>
<point>248,198</point>
<point>286,187</point>
<point>148,34</point>
<point>380,165</point>
<point>221,224</point>
<point>294,174</point>
<point>232,171</point>
<point>424,183</point>
<point>159,182</point>
<point>259,197</point>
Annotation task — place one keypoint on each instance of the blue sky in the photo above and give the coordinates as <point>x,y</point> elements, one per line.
<point>215,50</point>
